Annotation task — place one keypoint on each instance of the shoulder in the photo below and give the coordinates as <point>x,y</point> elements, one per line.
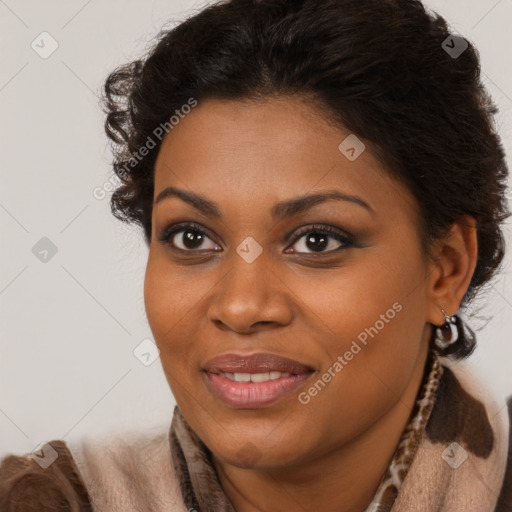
<point>129,472</point>
<point>42,481</point>
<point>124,472</point>
<point>468,422</point>
<point>505,499</point>
<point>466,412</point>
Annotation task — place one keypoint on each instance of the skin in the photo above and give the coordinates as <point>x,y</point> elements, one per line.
<point>330,453</point>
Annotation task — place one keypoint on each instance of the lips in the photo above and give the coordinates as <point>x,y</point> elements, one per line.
<point>255,363</point>
<point>254,381</point>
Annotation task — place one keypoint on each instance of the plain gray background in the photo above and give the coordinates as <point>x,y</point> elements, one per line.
<point>70,324</point>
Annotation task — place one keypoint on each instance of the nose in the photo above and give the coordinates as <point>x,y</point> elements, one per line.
<point>250,297</point>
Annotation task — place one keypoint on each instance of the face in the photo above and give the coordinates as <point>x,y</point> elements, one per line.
<point>331,290</point>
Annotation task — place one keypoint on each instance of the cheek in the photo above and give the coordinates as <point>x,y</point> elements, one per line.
<point>379,291</point>
<point>166,306</point>
<point>169,292</point>
<point>372,316</point>
<point>166,301</point>
<point>159,296</point>
<point>173,298</point>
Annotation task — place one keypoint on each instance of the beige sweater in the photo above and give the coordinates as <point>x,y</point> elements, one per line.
<point>460,466</point>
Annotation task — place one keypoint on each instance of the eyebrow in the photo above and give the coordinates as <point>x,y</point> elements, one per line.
<point>279,211</point>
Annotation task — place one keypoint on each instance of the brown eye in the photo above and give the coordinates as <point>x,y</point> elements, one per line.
<point>187,238</point>
<point>191,239</point>
<point>320,240</point>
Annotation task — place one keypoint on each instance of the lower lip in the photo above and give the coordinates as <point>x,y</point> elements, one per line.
<point>252,395</point>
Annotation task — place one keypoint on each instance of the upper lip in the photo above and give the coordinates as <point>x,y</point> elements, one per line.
<point>254,363</point>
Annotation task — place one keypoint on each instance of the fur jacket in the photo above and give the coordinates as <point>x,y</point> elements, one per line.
<point>462,463</point>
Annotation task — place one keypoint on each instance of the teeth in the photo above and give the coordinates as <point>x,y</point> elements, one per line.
<point>242,377</point>
<point>254,377</point>
<point>259,377</point>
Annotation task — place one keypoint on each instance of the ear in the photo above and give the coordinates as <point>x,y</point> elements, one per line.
<point>451,269</point>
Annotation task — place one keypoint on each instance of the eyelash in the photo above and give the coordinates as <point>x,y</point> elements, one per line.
<point>338,235</point>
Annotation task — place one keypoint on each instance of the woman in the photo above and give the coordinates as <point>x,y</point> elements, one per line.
<point>322,191</point>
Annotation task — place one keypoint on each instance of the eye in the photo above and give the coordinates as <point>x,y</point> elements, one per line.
<point>316,239</point>
<point>187,238</point>
<point>321,239</point>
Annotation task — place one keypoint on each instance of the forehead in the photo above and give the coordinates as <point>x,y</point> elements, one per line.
<point>266,150</point>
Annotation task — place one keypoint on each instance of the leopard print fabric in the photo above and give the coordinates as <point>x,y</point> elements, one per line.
<point>397,470</point>
<point>199,481</point>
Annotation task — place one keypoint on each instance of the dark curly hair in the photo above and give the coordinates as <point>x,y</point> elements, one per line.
<point>375,67</point>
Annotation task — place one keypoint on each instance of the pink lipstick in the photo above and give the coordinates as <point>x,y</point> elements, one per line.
<point>254,381</point>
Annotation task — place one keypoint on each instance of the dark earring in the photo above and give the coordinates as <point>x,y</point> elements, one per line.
<point>448,333</point>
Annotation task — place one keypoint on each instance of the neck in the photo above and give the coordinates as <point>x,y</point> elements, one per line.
<point>345,479</point>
